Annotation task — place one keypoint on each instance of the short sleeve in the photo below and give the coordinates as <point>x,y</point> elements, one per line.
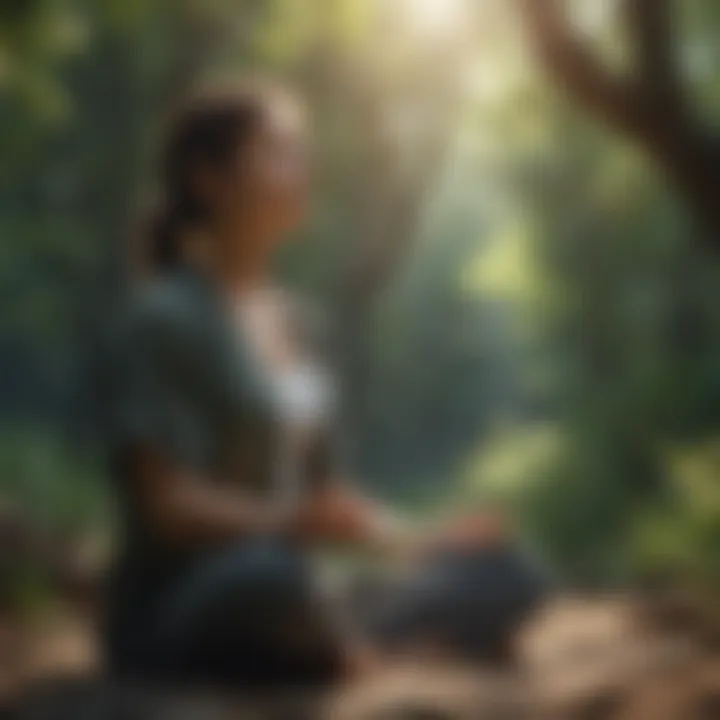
<point>147,399</point>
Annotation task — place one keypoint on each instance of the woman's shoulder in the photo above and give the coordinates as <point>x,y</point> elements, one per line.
<point>163,306</point>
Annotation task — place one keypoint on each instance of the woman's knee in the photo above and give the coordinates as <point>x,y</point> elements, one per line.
<point>243,580</point>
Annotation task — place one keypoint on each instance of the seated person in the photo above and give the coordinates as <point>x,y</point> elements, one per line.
<point>221,412</point>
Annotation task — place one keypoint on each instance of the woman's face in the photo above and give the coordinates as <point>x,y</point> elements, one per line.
<point>267,187</point>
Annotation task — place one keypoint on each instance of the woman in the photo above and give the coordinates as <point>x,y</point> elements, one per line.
<point>220,416</point>
<point>221,413</point>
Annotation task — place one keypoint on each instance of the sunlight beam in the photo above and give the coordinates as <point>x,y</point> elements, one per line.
<point>436,17</point>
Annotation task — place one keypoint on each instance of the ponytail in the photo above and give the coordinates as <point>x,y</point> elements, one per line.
<point>164,238</point>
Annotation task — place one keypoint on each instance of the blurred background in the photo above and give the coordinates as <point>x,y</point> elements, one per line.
<point>514,233</point>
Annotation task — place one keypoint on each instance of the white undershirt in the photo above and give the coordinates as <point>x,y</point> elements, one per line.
<point>302,390</point>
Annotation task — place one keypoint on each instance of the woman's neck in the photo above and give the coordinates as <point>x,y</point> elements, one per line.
<point>236,267</point>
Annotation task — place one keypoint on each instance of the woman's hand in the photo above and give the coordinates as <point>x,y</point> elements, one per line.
<point>334,514</point>
<point>473,531</point>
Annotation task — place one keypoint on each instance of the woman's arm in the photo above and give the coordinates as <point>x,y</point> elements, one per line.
<point>368,523</point>
<point>347,516</point>
<point>186,510</point>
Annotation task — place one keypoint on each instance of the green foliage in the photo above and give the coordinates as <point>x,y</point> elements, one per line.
<point>680,538</point>
<point>50,481</point>
<point>551,332</point>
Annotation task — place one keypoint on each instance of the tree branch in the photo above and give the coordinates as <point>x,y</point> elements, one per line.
<point>649,107</point>
<point>650,25</point>
<point>579,71</point>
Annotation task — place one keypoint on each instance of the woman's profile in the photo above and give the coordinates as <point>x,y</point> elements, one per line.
<point>220,417</point>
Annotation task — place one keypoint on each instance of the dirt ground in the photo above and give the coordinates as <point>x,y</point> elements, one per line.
<point>589,659</point>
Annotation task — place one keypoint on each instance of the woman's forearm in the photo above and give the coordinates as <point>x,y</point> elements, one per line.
<point>187,510</point>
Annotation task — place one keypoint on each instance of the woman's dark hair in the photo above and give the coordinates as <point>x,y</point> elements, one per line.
<point>208,130</point>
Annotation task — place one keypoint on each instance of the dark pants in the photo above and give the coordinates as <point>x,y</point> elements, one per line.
<point>471,604</point>
<point>250,616</point>
<point>247,616</point>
